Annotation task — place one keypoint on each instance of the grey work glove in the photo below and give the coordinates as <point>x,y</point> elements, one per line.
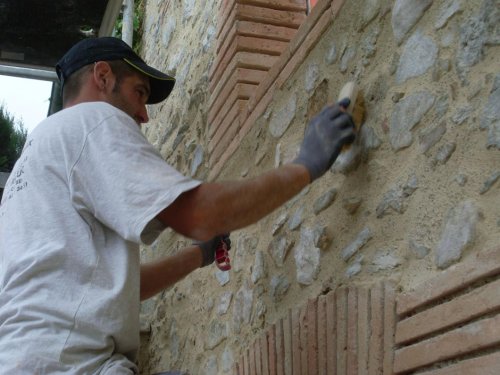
<point>208,248</point>
<point>325,135</point>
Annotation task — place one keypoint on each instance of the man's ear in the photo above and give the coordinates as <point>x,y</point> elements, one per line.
<point>102,75</point>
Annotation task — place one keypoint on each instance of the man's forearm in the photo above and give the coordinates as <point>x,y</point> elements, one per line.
<point>221,207</point>
<point>161,274</point>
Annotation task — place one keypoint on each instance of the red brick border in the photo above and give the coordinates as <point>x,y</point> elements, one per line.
<point>306,37</point>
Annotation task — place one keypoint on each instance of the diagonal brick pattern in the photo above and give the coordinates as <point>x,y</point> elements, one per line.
<point>451,325</point>
<point>251,36</point>
<point>260,44</point>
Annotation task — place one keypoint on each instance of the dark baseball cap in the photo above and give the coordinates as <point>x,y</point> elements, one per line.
<point>91,50</point>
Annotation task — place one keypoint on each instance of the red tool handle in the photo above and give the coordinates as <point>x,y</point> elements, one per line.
<point>222,257</point>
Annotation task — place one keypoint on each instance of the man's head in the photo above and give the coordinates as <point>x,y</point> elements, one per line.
<point>81,59</point>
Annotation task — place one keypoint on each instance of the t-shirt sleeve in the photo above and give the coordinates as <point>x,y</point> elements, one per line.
<point>122,181</point>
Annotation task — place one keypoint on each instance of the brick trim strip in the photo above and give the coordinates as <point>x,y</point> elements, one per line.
<point>453,279</point>
<point>478,302</point>
<point>308,35</point>
<point>472,337</point>
<point>487,364</point>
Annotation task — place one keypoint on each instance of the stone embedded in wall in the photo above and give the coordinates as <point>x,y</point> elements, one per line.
<point>324,201</point>
<point>355,268</point>
<point>296,219</point>
<point>448,39</point>
<point>197,159</point>
<point>369,45</point>
<point>279,247</point>
<point>429,137</point>
<point>181,134</point>
<point>475,32</point>
<point>280,221</point>
<point>405,14</point>
<point>281,120</point>
<point>210,367</point>
<point>490,182</point>
<point>331,55</point>
<point>462,114</point>
<point>307,254</point>
<point>298,197</point>
<point>242,307</point>
<point>222,277</point>
<point>395,199</point>
<point>348,160</point>
<point>461,179</point>
<point>368,138</point>
<point>311,77</point>
<point>394,63</point>
<point>175,62</point>
<point>370,10</point>
<point>384,260</point>
<point>408,113</point>
<point>181,75</point>
<point>173,341</point>
<point>227,359</point>
<point>442,105</point>
<point>188,8</point>
<point>458,233</point>
<point>444,153</point>
<point>259,267</point>
<point>419,250</point>
<point>209,305</point>
<point>224,302</point>
<point>448,9</point>
<point>361,240</point>
<point>277,155</point>
<point>419,55</point>
<point>351,204</point>
<point>346,58</point>
<point>168,30</point>
<point>208,38</point>
<point>245,245</point>
<point>260,309</point>
<point>286,154</point>
<point>278,287</point>
<point>490,119</point>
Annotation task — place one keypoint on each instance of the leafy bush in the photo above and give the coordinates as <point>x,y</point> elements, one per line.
<point>13,136</point>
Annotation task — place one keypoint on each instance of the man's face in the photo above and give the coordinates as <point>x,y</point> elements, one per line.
<point>130,94</point>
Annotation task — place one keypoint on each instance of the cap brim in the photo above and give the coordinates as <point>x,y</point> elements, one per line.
<point>161,84</point>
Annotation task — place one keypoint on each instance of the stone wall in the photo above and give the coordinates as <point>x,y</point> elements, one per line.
<point>417,194</point>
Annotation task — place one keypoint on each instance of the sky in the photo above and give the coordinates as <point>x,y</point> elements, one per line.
<point>25,99</point>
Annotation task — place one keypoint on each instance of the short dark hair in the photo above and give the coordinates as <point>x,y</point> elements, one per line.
<point>74,82</point>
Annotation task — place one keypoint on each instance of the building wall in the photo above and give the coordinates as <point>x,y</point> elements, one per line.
<point>416,196</point>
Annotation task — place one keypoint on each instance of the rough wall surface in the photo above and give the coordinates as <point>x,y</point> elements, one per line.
<point>418,194</point>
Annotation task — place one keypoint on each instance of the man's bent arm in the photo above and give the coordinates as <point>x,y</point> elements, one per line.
<point>222,207</point>
<point>161,274</point>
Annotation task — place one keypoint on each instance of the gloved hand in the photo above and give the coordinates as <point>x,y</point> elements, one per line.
<point>208,248</point>
<point>325,135</point>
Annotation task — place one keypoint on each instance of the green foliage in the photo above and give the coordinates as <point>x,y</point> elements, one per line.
<point>13,135</point>
<point>138,22</point>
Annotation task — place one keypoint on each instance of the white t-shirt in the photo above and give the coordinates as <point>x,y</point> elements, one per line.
<point>83,195</point>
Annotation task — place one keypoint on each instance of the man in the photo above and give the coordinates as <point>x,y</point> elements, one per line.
<point>88,189</point>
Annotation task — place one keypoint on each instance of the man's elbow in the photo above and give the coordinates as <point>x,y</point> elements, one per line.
<point>192,223</point>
